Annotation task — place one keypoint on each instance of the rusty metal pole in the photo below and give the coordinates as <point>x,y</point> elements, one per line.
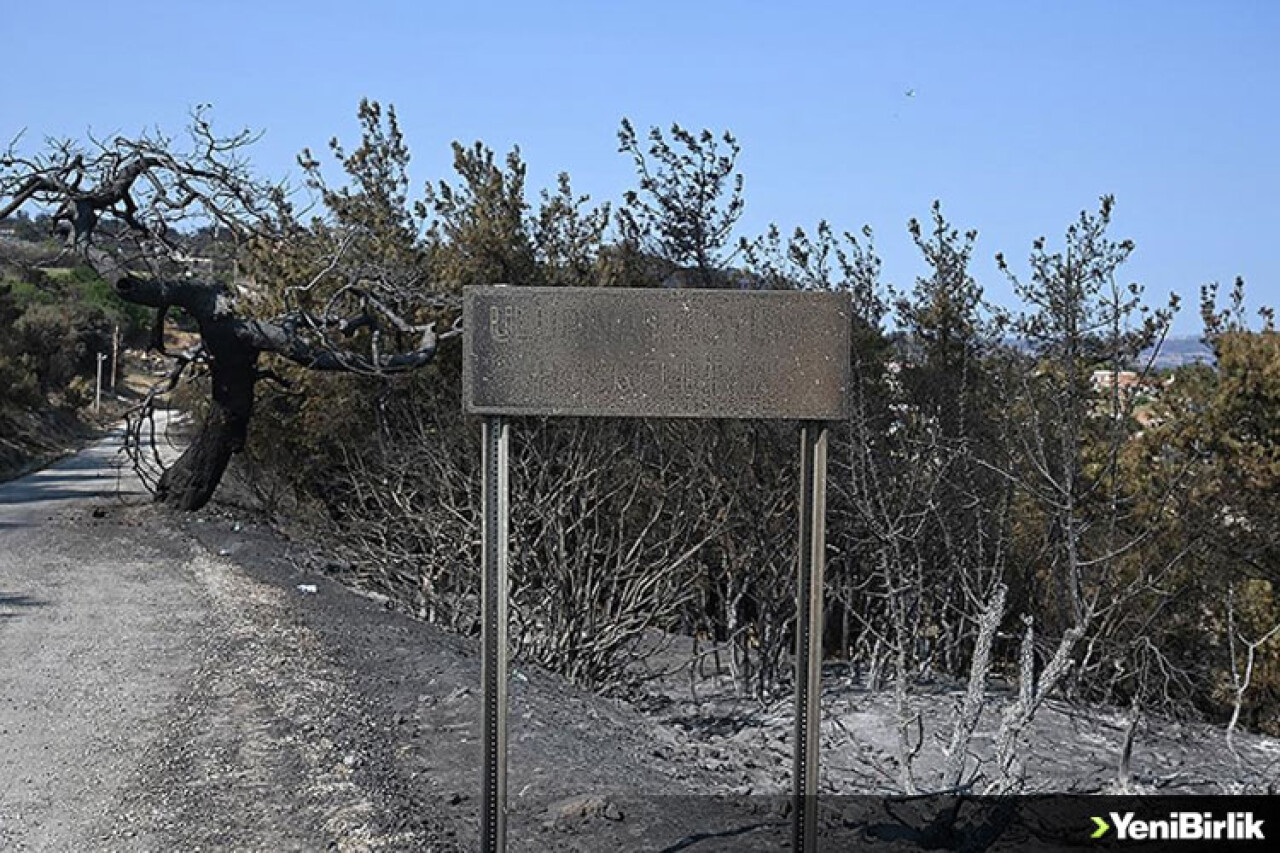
<point>495,513</point>
<point>808,659</point>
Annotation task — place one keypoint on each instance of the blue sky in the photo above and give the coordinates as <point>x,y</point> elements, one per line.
<point>1022,114</point>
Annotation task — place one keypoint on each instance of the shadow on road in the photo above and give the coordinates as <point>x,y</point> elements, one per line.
<point>39,492</point>
<point>16,601</point>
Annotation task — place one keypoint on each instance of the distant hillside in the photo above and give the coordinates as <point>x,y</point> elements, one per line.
<point>1176,351</point>
<point>1187,349</point>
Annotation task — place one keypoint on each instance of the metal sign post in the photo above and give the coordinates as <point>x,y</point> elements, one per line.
<point>618,352</point>
<point>493,652</point>
<point>808,663</point>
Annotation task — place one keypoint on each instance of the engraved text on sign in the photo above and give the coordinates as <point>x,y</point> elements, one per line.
<point>656,353</point>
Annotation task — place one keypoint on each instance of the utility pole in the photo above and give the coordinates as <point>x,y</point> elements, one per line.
<point>115,355</point>
<point>97,395</point>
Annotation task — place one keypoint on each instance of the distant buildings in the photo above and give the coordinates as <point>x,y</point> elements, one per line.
<point>197,265</point>
<point>1128,381</point>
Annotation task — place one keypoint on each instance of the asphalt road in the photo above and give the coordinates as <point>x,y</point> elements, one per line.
<point>80,621</point>
<point>143,684</point>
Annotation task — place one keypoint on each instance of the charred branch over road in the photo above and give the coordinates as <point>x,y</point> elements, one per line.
<point>122,205</point>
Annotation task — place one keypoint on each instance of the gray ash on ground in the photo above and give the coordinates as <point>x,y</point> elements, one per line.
<point>589,772</point>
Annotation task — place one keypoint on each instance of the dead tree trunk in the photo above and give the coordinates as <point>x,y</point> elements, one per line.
<point>232,345</point>
<point>190,483</point>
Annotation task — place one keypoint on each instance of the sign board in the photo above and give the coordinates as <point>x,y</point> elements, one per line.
<point>655,352</point>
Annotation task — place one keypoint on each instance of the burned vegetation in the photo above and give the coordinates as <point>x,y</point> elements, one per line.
<point>1022,496</point>
<point>125,207</point>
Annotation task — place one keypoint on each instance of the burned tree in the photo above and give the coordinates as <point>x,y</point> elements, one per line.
<point>125,208</point>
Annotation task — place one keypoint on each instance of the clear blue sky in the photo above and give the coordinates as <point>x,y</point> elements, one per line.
<point>1023,112</point>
